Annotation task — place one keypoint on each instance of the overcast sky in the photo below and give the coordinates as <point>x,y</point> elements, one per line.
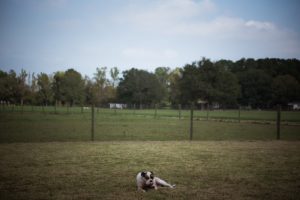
<point>54,35</point>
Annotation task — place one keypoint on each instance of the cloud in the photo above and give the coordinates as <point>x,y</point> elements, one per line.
<point>202,21</point>
<point>260,25</point>
<point>190,18</point>
<point>165,14</point>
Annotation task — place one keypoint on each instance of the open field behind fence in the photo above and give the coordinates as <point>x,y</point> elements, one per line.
<point>257,115</point>
<point>38,124</point>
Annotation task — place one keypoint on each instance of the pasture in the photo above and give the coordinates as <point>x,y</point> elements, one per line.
<point>46,153</point>
<point>74,124</point>
<point>107,170</point>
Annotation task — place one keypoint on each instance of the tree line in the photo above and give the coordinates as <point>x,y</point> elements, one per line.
<point>261,83</point>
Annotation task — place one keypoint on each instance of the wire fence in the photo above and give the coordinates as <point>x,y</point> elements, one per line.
<point>51,123</point>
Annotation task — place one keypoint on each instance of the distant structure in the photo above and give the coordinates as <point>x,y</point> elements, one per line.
<point>117,106</point>
<point>294,105</point>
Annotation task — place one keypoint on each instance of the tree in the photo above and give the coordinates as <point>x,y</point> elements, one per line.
<point>101,82</point>
<point>9,86</point>
<point>45,95</point>
<point>22,88</point>
<point>286,89</point>
<point>90,91</point>
<point>73,87</point>
<point>190,85</point>
<point>57,87</point>
<point>255,88</point>
<point>208,81</point>
<point>4,94</point>
<point>163,76</point>
<point>100,76</point>
<point>33,89</point>
<point>227,89</point>
<point>114,73</point>
<point>139,87</point>
<point>174,93</point>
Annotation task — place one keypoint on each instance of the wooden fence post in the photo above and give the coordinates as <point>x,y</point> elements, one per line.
<point>207,112</point>
<point>22,109</point>
<point>179,111</point>
<point>239,114</point>
<point>191,121</point>
<point>278,121</point>
<point>93,122</point>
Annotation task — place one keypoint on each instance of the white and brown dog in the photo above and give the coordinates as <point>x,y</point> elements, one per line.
<point>147,180</point>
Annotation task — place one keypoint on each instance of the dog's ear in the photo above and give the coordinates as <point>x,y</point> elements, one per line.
<point>151,174</point>
<point>143,174</point>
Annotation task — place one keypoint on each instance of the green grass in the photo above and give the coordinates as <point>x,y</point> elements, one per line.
<point>107,170</point>
<point>39,127</point>
<point>258,115</point>
<point>46,154</point>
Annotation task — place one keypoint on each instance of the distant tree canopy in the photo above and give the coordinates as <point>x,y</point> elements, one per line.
<point>45,93</point>
<point>140,87</point>
<point>209,82</point>
<point>73,87</point>
<point>261,83</point>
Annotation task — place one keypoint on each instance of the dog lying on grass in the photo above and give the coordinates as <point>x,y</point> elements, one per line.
<point>147,180</point>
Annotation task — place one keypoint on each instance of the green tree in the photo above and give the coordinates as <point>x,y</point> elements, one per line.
<point>286,89</point>
<point>22,88</point>
<point>9,86</point>
<point>174,92</point>
<point>73,87</point>
<point>139,87</point>
<point>57,87</point>
<point>163,76</point>
<point>208,81</point>
<point>44,95</point>
<point>114,73</point>
<point>33,89</point>
<point>100,76</point>
<point>100,84</point>
<point>90,91</point>
<point>255,88</point>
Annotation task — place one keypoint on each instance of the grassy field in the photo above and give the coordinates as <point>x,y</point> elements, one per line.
<point>107,170</point>
<point>258,115</point>
<point>39,127</point>
<point>47,154</point>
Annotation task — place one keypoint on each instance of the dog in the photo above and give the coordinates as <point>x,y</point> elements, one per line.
<point>147,180</point>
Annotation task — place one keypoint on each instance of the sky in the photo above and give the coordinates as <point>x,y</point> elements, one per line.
<point>55,35</point>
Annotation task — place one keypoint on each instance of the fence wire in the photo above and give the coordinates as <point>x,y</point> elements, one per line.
<point>50,123</point>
